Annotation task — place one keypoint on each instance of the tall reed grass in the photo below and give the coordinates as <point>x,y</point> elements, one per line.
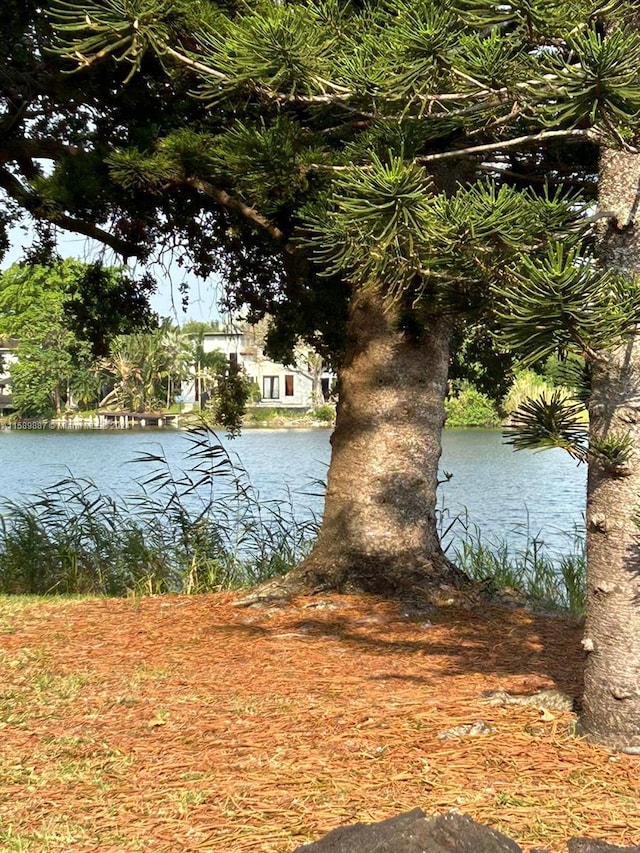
<point>203,529</point>
<point>546,579</point>
<point>206,528</point>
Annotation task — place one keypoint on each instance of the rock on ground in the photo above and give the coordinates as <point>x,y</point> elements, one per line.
<point>412,832</point>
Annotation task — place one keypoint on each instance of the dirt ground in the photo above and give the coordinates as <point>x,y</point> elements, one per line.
<point>186,724</point>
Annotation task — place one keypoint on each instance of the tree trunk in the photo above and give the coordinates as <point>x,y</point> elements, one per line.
<point>612,634</point>
<point>379,531</point>
<point>316,366</point>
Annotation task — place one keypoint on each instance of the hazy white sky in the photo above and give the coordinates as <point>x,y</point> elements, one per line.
<point>203,295</point>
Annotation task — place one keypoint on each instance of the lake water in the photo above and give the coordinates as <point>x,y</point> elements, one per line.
<point>507,495</point>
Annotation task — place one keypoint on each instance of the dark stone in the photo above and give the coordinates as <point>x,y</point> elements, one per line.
<point>592,845</point>
<point>413,833</point>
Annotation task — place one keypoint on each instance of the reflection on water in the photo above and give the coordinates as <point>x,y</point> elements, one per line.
<point>504,493</point>
<point>511,495</point>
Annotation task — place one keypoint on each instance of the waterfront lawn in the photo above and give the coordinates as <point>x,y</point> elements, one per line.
<point>184,723</point>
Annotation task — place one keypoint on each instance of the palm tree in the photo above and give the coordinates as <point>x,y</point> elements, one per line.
<point>138,363</point>
<point>180,352</point>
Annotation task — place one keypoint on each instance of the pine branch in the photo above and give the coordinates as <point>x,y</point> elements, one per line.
<point>336,98</point>
<point>481,86</point>
<point>340,92</point>
<point>513,113</point>
<point>547,423</point>
<point>192,63</point>
<point>516,142</point>
<point>225,200</point>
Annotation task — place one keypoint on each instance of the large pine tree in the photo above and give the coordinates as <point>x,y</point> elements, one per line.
<point>372,176</point>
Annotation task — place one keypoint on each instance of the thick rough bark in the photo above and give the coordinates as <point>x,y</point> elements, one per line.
<point>379,530</point>
<point>612,633</point>
<point>379,527</point>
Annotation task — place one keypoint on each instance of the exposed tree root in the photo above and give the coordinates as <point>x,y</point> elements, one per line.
<point>430,582</point>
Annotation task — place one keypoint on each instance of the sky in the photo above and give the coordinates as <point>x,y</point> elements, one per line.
<point>167,302</point>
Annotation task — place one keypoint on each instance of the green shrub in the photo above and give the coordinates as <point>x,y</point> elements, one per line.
<point>526,385</point>
<point>255,394</point>
<point>280,417</point>
<point>325,414</point>
<point>259,415</point>
<point>470,408</point>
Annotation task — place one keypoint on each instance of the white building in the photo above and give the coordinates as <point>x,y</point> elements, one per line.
<point>299,386</point>
<point>7,358</point>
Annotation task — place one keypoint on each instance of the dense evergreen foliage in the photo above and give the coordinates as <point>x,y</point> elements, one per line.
<point>254,140</point>
<point>235,126</point>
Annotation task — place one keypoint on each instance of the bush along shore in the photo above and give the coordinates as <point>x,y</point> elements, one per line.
<point>208,530</point>
<point>466,408</point>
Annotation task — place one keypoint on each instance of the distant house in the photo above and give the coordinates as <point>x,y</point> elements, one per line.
<point>7,358</point>
<point>301,385</point>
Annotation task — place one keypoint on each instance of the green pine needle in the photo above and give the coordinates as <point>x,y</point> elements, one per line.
<point>550,422</point>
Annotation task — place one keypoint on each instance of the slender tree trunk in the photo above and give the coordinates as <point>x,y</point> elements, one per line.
<point>316,366</point>
<point>612,633</point>
<point>379,530</point>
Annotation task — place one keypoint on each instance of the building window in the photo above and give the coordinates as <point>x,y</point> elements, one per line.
<point>288,385</point>
<point>270,388</point>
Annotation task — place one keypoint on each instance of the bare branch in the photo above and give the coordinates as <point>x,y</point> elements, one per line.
<point>504,172</point>
<point>45,149</point>
<point>33,204</point>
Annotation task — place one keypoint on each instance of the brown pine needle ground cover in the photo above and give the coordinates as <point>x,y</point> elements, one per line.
<point>187,724</point>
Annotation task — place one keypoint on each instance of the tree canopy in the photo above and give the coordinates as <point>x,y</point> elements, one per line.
<point>245,134</point>
<point>64,315</point>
